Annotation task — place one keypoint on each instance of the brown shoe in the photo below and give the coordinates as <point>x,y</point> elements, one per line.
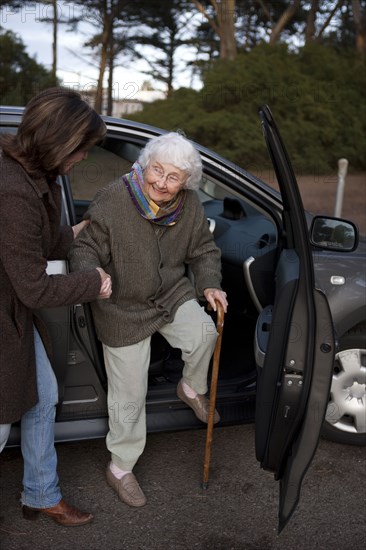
<point>62,513</point>
<point>199,404</point>
<point>127,488</point>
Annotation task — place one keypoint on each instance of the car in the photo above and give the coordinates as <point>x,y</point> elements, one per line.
<point>293,354</point>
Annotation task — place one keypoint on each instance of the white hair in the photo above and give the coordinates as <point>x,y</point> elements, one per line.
<point>175,149</point>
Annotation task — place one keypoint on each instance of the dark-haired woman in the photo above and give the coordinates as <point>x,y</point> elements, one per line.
<point>57,130</point>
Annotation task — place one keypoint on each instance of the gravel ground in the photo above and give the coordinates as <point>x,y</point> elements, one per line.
<point>238,511</point>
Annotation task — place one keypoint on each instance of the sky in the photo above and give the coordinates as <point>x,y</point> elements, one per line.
<point>74,65</point>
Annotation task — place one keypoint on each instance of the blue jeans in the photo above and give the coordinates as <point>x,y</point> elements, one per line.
<point>40,480</point>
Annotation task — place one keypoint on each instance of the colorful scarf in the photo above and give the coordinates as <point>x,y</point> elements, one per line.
<point>148,209</point>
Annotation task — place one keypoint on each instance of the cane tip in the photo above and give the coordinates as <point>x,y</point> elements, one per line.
<point>204,485</point>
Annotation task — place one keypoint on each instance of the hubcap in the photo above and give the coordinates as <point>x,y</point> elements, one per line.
<point>347,404</point>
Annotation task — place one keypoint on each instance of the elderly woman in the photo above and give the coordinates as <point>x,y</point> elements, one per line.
<point>144,230</point>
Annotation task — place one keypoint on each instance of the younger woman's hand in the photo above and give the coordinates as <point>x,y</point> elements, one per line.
<point>79,227</point>
<point>106,286</point>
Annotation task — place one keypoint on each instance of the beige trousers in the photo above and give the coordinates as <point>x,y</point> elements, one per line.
<point>192,331</point>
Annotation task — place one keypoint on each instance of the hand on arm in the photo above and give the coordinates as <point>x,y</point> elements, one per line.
<point>91,249</point>
<point>212,294</point>
<point>106,286</point>
<point>78,227</point>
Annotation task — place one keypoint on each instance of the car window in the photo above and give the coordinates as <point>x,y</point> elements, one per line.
<point>114,158</point>
<point>8,130</point>
<point>100,168</point>
<point>210,189</point>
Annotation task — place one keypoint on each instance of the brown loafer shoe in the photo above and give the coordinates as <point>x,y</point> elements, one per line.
<point>62,513</point>
<point>199,404</point>
<point>127,488</point>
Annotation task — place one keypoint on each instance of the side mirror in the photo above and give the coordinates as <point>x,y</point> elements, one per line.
<point>333,234</point>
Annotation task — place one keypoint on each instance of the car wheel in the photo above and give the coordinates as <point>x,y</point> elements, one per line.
<point>345,419</point>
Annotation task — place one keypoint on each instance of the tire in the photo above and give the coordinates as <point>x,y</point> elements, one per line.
<point>345,419</point>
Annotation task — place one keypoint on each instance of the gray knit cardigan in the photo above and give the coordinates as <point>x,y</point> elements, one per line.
<point>147,262</point>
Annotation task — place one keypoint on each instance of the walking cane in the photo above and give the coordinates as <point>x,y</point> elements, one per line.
<point>213,391</point>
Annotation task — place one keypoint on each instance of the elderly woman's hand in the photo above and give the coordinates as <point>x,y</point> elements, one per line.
<point>212,294</point>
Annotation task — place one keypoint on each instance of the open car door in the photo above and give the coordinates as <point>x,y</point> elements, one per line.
<point>296,339</point>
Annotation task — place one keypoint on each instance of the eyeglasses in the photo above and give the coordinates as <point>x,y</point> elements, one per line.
<point>159,173</point>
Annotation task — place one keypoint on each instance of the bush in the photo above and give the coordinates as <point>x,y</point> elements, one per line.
<point>21,77</point>
<point>316,96</point>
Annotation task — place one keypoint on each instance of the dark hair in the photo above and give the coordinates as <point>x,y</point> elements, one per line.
<point>56,123</point>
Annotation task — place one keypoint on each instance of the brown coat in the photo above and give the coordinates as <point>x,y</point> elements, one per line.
<point>30,235</point>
